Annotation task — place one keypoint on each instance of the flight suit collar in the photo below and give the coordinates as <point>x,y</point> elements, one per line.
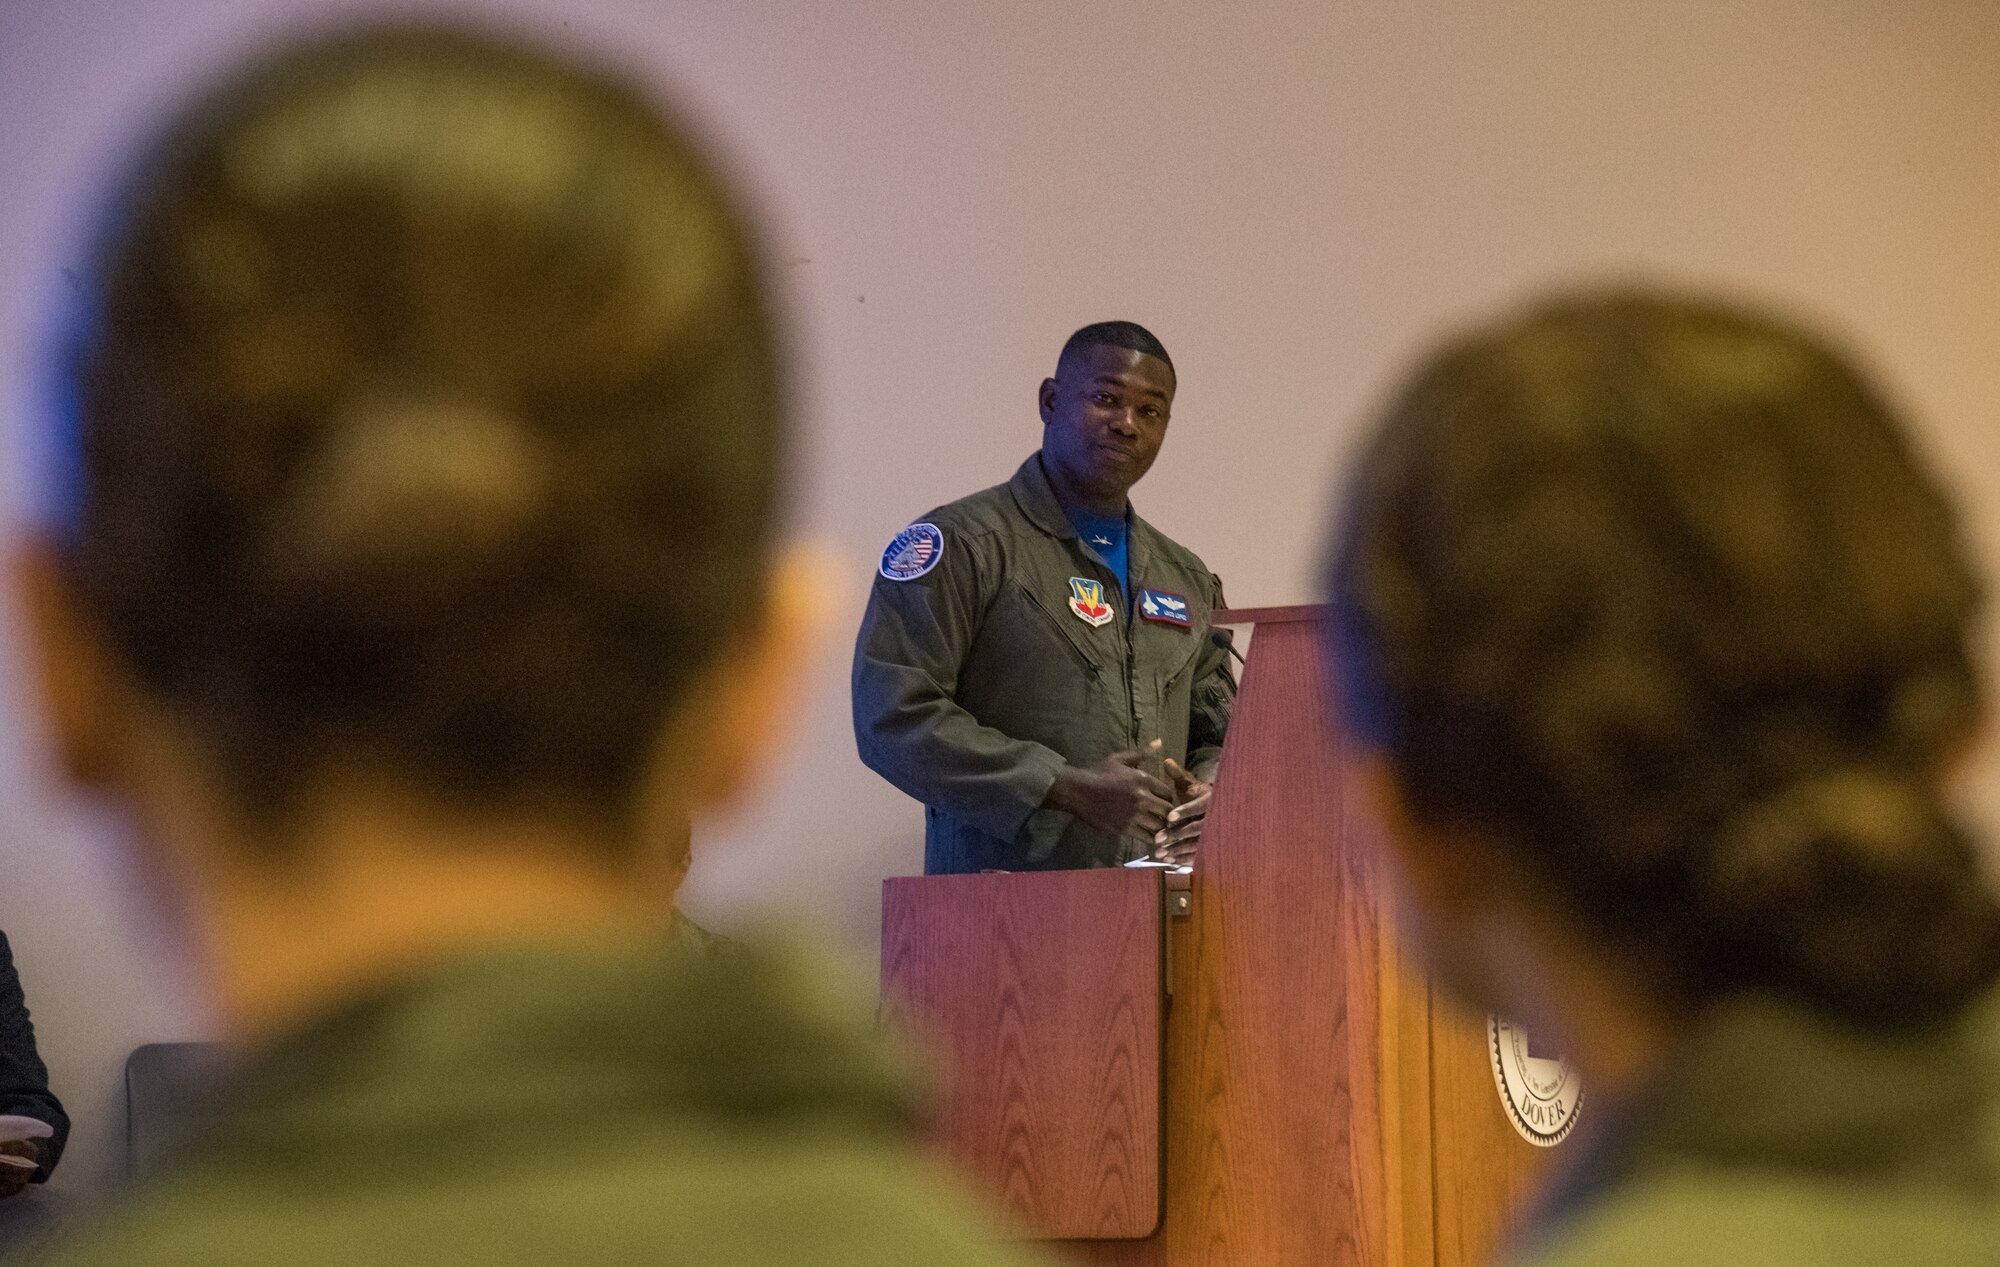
<point>1146,564</point>
<point>446,1040</point>
<point>1764,1083</point>
<point>1037,499</point>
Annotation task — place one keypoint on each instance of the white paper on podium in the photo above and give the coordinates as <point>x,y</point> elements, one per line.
<point>13,1127</point>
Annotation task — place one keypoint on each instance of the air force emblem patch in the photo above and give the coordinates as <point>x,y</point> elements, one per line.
<point>1086,599</point>
<point>915,551</point>
<point>1167,609</point>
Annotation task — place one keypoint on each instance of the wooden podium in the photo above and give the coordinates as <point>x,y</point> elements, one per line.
<point>1239,1071</point>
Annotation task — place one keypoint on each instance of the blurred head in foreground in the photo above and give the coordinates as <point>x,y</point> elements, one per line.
<point>414,585</point>
<point>1652,636</point>
<point>1653,654</point>
<point>413,575</point>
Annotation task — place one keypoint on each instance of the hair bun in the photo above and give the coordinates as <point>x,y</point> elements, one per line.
<point>409,493</point>
<point>1874,816</point>
<point>1855,888</point>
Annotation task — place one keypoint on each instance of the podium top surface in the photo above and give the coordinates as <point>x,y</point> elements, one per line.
<point>1269,615</point>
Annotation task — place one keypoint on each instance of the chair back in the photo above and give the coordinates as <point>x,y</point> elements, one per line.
<point>166,1085</point>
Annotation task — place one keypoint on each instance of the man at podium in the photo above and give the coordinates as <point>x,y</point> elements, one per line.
<point>1035,664</point>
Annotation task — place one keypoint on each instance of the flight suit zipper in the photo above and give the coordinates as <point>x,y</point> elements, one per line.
<point>1056,627</point>
<point>1131,677</point>
<point>1112,585</point>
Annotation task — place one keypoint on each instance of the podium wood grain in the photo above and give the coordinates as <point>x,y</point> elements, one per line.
<point>1280,1040</point>
<point>1486,1171</point>
<point>1042,995</point>
<point>1324,1104</point>
<point>1276,1148</point>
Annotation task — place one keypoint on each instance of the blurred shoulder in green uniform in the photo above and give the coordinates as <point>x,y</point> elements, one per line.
<point>540,1104</point>
<point>1781,1137</point>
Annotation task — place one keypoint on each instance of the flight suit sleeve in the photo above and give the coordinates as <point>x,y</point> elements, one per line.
<point>24,1080</point>
<point>1209,699</point>
<point>908,723</point>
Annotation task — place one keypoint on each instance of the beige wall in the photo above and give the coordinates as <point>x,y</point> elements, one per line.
<point>1293,195</point>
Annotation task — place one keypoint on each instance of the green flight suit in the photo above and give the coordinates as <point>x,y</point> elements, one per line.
<point>976,680</point>
<point>1778,1138</point>
<point>561,1106</point>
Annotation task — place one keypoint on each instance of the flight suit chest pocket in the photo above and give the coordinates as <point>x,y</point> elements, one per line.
<point>1030,677</point>
<point>1175,655</point>
<point>1069,631</point>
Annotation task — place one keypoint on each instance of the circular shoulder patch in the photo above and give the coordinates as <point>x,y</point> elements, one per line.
<point>1542,1093</point>
<point>915,551</point>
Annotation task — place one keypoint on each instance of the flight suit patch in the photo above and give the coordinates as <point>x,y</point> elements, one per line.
<point>1086,600</point>
<point>916,550</point>
<point>1164,607</point>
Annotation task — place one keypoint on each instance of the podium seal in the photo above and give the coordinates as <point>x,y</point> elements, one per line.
<point>1540,1092</point>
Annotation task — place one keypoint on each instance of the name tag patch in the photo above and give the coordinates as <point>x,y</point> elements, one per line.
<point>1086,600</point>
<point>1167,609</point>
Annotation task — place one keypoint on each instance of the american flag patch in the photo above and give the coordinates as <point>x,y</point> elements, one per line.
<point>915,551</point>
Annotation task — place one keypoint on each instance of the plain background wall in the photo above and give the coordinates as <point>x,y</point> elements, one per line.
<point>1295,196</point>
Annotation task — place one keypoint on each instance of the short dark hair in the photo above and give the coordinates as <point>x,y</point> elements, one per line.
<point>1117,334</point>
<point>427,416</point>
<point>1656,591</point>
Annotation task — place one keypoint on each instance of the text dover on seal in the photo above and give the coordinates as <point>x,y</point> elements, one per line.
<point>1540,1092</point>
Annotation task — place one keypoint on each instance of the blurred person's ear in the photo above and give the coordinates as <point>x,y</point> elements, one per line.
<point>680,849</point>
<point>1407,849</point>
<point>73,676</point>
<point>1453,890</point>
<point>1485,931</point>
<point>723,736</point>
<point>1965,754</point>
